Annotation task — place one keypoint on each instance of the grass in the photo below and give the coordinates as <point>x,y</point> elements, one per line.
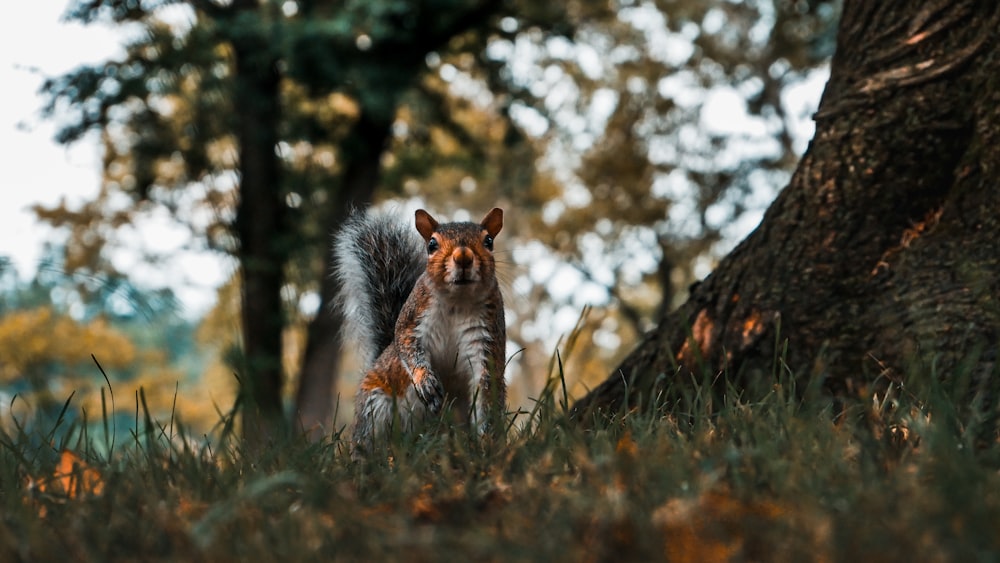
<point>774,476</point>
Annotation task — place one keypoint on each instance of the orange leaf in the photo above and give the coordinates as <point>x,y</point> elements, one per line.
<point>719,527</point>
<point>76,477</point>
<point>626,446</point>
<point>71,478</point>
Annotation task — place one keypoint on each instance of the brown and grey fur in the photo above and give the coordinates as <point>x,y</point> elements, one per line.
<point>448,337</point>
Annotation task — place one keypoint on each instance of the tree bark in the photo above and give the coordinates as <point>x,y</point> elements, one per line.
<point>321,363</point>
<point>879,261</point>
<point>261,225</point>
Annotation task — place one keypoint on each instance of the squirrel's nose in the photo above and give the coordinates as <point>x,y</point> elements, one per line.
<point>462,257</point>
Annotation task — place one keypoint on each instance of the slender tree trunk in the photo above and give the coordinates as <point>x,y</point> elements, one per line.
<point>880,259</point>
<point>363,150</point>
<point>261,225</point>
<point>398,60</point>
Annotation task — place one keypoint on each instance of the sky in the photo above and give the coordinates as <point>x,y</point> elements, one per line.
<point>36,170</point>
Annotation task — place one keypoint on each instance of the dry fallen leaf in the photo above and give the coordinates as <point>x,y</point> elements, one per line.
<point>71,479</point>
<point>715,526</point>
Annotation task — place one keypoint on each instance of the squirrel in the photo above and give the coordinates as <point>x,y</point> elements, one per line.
<point>428,314</point>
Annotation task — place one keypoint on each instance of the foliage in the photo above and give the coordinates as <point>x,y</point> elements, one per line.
<point>59,335</point>
<point>32,340</point>
<point>668,129</point>
<point>770,475</point>
<point>258,124</point>
<point>623,181</point>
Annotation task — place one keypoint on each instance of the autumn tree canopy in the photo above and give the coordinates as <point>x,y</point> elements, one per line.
<point>54,331</point>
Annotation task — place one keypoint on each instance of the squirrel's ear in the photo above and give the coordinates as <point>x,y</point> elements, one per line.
<point>493,221</point>
<point>426,225</point>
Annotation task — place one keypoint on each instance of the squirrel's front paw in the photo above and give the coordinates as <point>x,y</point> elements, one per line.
<point>429,390</point>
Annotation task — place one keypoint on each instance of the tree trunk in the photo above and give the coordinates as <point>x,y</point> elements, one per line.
<point>314,400</point>
<point>880,259</point>
<point>261,225</point>
<point>399,60</point>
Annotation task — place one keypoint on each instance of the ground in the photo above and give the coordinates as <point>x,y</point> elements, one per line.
<point>775,475</point>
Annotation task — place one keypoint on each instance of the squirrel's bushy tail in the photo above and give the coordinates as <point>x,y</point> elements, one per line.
<point>377,260</point>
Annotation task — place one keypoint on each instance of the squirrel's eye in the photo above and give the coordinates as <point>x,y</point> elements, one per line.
<point>488,242</point>
<point>432,246</point>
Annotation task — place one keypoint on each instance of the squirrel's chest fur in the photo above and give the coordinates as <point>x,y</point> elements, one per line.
<point>452,336</point>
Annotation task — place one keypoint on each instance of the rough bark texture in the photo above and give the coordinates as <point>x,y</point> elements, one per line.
<point>261,218</point>
<point>880,260</point>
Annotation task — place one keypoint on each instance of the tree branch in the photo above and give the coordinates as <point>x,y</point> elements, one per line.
<point>210,8</point>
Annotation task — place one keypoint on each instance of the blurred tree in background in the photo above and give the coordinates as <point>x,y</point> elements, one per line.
<point>664,129</point>
<point>257,124</point>
<point>51,333</point>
